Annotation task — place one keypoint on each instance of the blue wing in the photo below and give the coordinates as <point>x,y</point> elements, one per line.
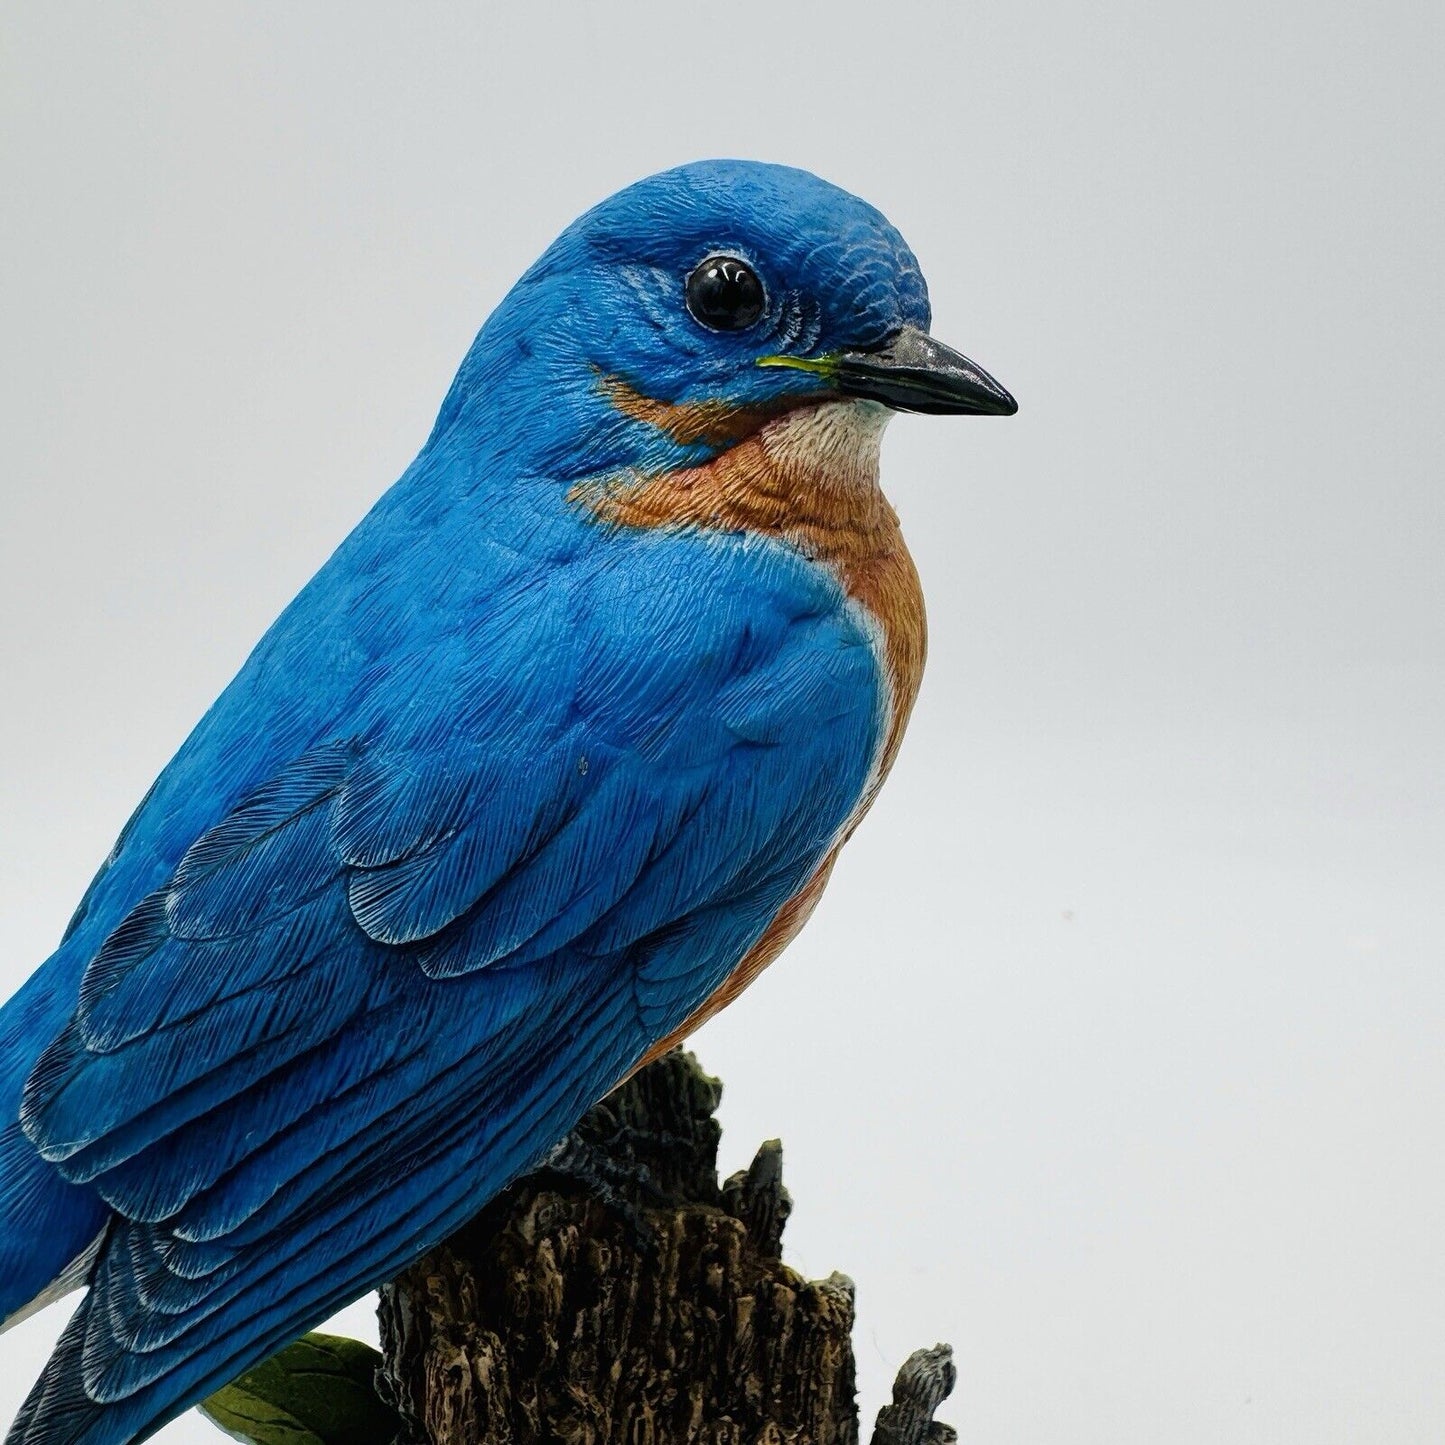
<point>390,974</point>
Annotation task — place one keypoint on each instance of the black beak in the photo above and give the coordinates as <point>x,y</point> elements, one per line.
<point>913,372</point>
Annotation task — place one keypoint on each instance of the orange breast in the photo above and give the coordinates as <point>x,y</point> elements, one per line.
<point>810,479</point>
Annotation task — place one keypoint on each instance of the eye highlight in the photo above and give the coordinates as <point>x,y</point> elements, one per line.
<point>725,294</point>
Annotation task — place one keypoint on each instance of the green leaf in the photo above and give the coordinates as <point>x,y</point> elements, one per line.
<point>318,1391</point>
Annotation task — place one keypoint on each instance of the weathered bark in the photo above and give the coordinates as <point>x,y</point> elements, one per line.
<point>662,1315</point>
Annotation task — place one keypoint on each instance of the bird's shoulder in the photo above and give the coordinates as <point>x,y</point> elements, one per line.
<point>495,651</point>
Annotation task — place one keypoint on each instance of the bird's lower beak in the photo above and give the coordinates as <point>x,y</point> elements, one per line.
<point>913,372</point>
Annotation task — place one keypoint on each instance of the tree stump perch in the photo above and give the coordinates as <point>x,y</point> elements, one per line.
<point>652,1310</point>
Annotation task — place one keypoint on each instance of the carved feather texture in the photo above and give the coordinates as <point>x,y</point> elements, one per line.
<point>546,762</point>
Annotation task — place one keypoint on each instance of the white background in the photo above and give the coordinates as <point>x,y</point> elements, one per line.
<point>1114,1053</point>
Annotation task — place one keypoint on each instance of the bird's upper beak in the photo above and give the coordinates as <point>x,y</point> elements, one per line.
<point>913,372</point>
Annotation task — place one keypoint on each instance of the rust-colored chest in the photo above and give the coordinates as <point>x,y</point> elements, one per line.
<point>809,479</point>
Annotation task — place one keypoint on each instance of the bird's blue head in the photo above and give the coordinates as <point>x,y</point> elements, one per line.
<point>681,313</point>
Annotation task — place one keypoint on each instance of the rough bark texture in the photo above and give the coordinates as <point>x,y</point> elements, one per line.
<point>650,1306</point>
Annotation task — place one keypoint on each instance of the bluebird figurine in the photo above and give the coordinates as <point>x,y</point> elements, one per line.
<point>540,769</point>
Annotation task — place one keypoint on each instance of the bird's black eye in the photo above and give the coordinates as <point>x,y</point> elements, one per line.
<point>725,294</point>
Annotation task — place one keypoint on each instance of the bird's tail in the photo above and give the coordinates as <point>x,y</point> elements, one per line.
<point>48,1229</point>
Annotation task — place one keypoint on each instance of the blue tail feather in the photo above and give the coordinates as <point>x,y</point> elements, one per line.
<point>45,1223</point>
